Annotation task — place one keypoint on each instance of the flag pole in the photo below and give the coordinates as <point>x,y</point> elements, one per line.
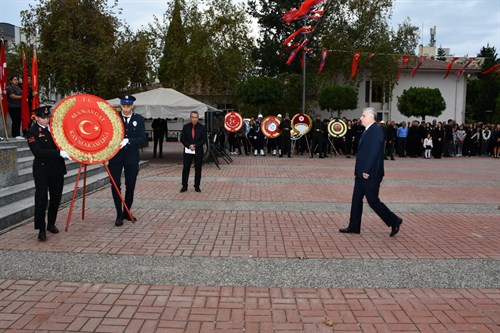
<point>4,121</point>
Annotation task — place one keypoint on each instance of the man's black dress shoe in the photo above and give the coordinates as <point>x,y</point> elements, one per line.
<point>184,189</point>
<point>119,221</point>
<point>395,227</point>
<point>349,231</point>
<point>42,236</point>
<point>53,229</point>
<point>197,189</point>
<point>126,217</point>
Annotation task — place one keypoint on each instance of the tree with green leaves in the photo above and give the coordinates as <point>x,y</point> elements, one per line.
<point>483,91</point>
<point>260,94</point>
<point>421,102</point>
<point>80,47</point>
<point>338,98</point>
<point>173,64</point>
<point>441,54</point>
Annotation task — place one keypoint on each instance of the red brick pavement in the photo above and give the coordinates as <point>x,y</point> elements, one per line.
<point>53,306</point>
<point>43,306</point>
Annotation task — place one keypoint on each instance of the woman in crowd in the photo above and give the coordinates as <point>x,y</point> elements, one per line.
<point>438,140</point>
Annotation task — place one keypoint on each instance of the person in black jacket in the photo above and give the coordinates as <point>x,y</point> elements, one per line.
<point>317,136</point>
<point>160,130</point>
<point>128,157</point>
<point>369,172</point>
<point>193,137</point>
<point>48,172</point>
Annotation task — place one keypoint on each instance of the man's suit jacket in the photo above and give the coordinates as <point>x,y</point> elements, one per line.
<point>135,131</point>
<point>370,155</point>
<point>200,137</point>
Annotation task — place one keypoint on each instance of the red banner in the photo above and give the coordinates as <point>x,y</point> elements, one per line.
<point>35,103</point>
<point>3,79</point>
<point>461,70</point>
<point>420,61</point>
<point>448,67</point>
<point>25,110</point>
<point>494,68</point>
<point>324,54</point>
<point>406,58</point>
<point>355,61</point>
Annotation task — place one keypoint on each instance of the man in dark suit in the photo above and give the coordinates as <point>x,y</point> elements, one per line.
<point>160,130</point>
<point>127,158</point>
<point>48,172</point>
<point>369,172</point>
<point>193,137</point>
<point>317,136</point>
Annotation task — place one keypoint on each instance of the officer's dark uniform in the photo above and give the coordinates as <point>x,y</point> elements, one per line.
<point>285,126</point>
<point>127,159</point>
<point>160,129</point>
<point>317,136</point>
<point>259,137</point>
<point>48,173</point>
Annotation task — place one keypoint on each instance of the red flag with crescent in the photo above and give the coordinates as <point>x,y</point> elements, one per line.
<point>25,110</point>
<point>448,67</point>
<point>404,62</point>
<point>304,9</point>
<point>491,69</point>
<point>420,61</point>
<point>355,61</point>
<point>324,54</point>
<point>467,63</point>
<point>3,79</point>
<point>294,53</point>
<point>34,81</point>
<point>296,32</point>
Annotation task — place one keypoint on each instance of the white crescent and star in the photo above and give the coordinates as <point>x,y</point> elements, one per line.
<point>81,126</point>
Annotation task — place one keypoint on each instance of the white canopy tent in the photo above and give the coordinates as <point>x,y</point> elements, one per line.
<point>165,103</point>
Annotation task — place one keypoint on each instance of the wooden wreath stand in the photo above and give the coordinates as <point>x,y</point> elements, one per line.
<point>84,166</point>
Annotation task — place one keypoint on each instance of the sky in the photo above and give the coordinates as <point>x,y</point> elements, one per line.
<point>464,26</point>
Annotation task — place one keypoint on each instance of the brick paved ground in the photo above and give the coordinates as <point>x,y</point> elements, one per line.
<point>264,207</point>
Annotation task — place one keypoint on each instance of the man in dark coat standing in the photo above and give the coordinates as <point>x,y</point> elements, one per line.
<point>193,137</point>
<point>48,172</point>
<point>285,141</point>
<point>369,172</point>
<point>128,156</point>
<point>160,130</point>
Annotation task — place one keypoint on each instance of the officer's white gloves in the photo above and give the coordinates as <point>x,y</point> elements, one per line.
<point>65,155</point>
<point>123,143</point>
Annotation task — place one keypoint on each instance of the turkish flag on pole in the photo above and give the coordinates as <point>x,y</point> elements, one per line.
<point>354,67</point>
<point>34,81</point>
<point>25,111</point>
<point>448,67</point>
<point>3,79</point>
<point>406,58</point>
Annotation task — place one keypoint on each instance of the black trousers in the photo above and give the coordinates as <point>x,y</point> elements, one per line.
<point>15,115</point>
<point>317,143</point>
<point>188,160</point>
<point>158,139</point>
<point>131,172</point>
<point>45,186</point>
<point>286,144</point>
<point>368,188</point>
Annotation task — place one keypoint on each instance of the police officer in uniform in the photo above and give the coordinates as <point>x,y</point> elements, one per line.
<point>48,172</point>
<point>285,143</point>
<point>127,158</point>
<point>317,136</point>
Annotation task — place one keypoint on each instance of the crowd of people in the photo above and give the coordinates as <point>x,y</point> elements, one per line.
<point>405,139</point>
